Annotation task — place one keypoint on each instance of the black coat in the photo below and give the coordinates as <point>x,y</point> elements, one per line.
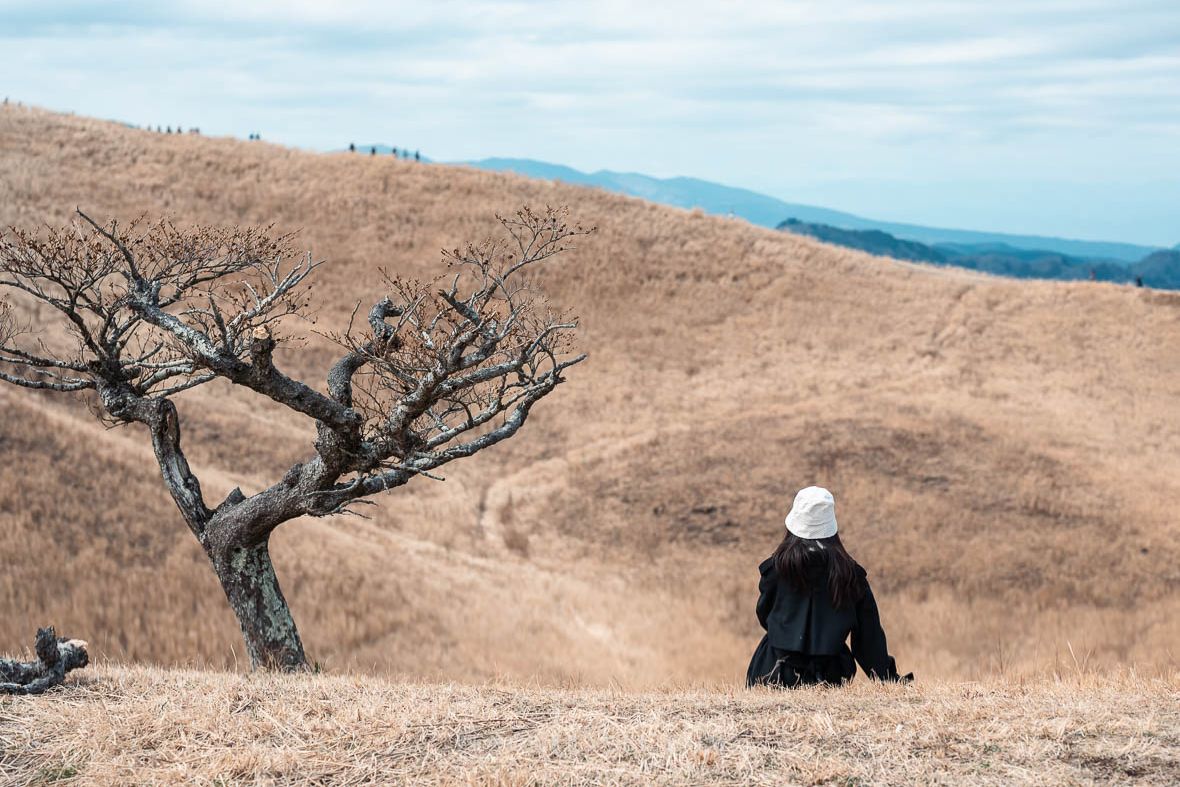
<point>807,637</point>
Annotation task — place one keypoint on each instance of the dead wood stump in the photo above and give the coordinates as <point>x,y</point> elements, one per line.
<point>55,657</point>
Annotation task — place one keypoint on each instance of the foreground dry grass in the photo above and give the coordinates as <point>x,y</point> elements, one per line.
<point>137,725</point>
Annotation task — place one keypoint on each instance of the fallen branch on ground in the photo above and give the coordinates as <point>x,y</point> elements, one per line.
<point>55,657</point>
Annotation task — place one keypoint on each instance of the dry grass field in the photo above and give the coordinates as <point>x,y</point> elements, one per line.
<point>146,726</point>
<point>1005,456</point>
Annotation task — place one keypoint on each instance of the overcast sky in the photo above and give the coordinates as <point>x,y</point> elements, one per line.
<point>1050,117</point>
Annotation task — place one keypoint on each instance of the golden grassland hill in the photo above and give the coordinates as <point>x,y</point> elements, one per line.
<point>137,725</point>
<point>1005,455</point>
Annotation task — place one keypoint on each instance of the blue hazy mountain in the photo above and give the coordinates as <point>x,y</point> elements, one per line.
<point>769,211</point>
<point>1160,269</point>
<point>682,192</point>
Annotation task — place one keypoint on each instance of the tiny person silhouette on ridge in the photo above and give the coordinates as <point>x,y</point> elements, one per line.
<point>812,597</point>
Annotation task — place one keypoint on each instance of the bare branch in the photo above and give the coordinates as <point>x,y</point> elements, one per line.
<point>115,241</point>
<point>64,386</point>
<point>468,358</point>
<point>191,300</point>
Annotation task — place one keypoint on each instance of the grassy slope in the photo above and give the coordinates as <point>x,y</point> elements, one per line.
<point>1005,453</point>
<point>145,726</point>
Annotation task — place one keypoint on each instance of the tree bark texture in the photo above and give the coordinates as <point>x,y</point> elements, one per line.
<point>248,579</point>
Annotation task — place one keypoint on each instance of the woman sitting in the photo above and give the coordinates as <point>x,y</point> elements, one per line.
<point>813,596</point>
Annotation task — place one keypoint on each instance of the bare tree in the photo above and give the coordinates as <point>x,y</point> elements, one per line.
<point>438,371</point>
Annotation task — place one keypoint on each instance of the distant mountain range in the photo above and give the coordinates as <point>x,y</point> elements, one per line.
<point>768,211</point>
<point>1159,269</point>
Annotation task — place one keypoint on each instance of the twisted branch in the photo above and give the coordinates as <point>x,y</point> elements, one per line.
<point>55,657</point>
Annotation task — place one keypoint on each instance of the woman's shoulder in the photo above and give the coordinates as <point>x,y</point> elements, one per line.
<point>864,589</point>
<point>766,566</point>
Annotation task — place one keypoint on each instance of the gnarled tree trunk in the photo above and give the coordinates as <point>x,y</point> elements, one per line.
<point>239,552</point>
<point>252,588</point>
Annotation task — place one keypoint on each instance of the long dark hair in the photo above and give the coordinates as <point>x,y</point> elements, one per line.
<point>795,557</point>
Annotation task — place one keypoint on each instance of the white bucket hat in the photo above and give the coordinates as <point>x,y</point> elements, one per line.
<point>813,514</point>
